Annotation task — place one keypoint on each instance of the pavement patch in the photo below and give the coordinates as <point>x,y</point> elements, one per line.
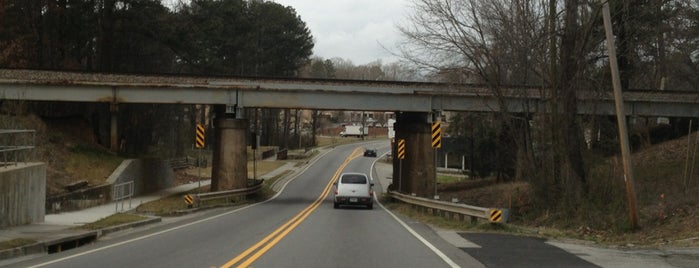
<point>500,250</point>
<point>456,240</point>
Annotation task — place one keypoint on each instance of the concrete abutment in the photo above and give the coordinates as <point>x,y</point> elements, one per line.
<point>22,194</point>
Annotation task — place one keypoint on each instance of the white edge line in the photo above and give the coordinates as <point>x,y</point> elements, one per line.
<point>429,245</point>
<point>181,226</point>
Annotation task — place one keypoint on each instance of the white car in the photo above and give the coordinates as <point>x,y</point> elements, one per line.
<point>354,189</point>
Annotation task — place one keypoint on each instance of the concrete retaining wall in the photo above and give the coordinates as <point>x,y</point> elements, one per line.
<point>22,194</point>
<point>80,199</point>
<point>149,175</point>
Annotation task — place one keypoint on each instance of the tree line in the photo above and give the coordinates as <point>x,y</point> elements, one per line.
<point>213,37</point>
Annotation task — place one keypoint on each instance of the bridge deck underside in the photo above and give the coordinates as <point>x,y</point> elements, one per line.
<point>322,94</point>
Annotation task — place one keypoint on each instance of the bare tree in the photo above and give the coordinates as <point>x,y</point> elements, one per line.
<point>521,42</point>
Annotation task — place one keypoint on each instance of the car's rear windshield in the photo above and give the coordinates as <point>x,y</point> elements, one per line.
<point>357,179</point>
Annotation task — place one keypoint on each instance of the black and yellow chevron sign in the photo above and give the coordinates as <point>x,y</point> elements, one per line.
<point>200,136</point>
<point>401,149</point>
<point>495,215</point>
<point>188,199</point>
<point>437,134</point>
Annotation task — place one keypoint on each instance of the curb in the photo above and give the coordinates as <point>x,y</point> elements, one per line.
<point>43,246</point>
<point>38,247</point>
<point>112,229</point>
<point>85,237</point>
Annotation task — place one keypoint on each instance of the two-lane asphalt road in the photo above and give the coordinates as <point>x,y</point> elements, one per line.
<point>298,228</point>
<point>349,236</point>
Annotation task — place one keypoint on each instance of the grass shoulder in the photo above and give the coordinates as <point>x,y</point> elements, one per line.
<point>113,220</point>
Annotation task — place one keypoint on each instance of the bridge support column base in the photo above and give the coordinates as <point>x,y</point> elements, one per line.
<point>418,167</point>
<point>229,164</point>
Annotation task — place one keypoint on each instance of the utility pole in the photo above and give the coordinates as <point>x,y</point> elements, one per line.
<point>621,119</point>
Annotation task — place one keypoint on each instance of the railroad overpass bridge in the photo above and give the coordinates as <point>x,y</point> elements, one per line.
<point>414,102</point>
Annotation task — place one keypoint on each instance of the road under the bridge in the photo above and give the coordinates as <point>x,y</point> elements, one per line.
<point>417,169</point>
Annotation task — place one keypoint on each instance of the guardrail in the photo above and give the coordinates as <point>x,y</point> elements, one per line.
<point>201,198</point>
<point>178,163</point>
<point>461,210</point>
<point>185,162</point>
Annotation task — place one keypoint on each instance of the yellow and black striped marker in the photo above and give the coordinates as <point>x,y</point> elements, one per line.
<point>495,215</point>
<point>437,134</point>
<point>401,149</point>
<point>188,199</point>
<point>199,139</point>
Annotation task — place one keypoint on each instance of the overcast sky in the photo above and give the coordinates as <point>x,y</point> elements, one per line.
<point>353,29</point>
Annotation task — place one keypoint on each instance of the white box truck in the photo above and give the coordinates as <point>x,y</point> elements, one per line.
<point>391,132</point>
<point>354,131</point>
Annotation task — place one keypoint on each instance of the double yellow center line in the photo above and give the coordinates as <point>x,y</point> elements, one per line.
<point>255,252</point>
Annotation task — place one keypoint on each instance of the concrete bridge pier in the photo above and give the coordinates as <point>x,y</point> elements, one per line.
<point>229,165</point>
<point>418,168</point>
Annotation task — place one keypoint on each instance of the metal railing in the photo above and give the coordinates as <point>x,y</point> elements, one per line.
<point>199,199</point>
<point>458,209</point>
<point>123,191</point>
<point>17,146</point>
<point>178,163</point>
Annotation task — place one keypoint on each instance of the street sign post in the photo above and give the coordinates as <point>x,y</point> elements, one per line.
<point>436,144</point>
<point>199,143</point>
<point>254,144</point>
<point>400,153</point>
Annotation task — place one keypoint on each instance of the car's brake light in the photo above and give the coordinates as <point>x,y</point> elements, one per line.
<point>371,193</point>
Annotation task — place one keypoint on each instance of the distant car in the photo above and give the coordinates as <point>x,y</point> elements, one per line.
<point>354,189</point>
<point>370,152</point>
